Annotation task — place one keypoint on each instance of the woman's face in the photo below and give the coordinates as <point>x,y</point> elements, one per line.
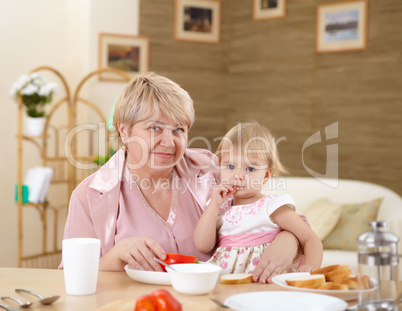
<point>155,144</point>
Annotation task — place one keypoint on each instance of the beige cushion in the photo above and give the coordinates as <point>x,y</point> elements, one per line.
<point>353,222</point>
<point>323,216</point>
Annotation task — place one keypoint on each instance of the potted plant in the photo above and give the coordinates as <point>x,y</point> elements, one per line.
<point>35,92</point>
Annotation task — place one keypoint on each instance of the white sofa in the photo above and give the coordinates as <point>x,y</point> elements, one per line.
<point>306,190</point>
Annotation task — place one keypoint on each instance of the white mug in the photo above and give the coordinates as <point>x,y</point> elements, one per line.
<point>81,265</point>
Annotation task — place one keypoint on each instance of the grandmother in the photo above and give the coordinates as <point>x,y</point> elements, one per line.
<point>148,198</point>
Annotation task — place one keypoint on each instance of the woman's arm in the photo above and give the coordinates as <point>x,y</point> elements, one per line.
<point>287,219</point>
<point>136,251</point>
<point>79,222</point>
<point>277,258</point>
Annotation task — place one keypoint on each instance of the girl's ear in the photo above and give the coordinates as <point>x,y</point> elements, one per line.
<point>267,175</point>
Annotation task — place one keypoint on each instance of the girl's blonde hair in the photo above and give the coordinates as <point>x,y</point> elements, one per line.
<point>151,94</point>
<point>254,140</point>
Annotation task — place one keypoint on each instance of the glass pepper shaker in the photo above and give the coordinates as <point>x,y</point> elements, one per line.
<point>378,268</point>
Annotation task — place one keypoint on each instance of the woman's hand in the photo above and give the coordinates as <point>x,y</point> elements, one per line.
<point>277,258</point>
<point>138,252</point>
<point>306,268</point>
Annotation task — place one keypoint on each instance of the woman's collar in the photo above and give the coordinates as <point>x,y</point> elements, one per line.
<point>110,174</point>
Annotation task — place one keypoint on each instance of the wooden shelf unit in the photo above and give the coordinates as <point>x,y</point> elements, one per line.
<point>65,174</point>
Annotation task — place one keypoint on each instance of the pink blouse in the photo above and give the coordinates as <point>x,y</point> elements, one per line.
<point>175,235</point>
<point>104,207</point>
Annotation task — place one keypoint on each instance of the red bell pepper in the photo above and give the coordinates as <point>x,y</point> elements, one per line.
<point>178,258</point>
<point>164,301</point>
<point>145,303</point>
<point>159,300</point>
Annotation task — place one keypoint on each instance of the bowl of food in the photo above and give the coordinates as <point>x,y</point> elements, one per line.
<point>194,279</point>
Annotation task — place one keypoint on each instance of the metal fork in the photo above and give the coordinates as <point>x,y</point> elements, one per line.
<point>219,303</point>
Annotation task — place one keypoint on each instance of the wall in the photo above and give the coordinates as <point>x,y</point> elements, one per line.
<point>296,92</point>
<point>27,42</point>
<point>198,68</point>
<point>268,71</point>
<point>62,34</point>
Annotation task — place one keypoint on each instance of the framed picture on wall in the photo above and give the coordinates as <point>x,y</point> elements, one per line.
<point>197,20</point>
<point>268,9</point>
<point>124,52</point>
<point>341,26</point>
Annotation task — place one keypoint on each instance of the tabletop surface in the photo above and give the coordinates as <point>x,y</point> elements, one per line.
<point>115,291</point>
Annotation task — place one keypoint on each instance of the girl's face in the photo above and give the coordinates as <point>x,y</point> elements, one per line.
<point>245,173</point>
<point>154,144</point>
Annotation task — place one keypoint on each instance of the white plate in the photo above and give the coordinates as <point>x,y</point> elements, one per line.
<point>151,277</point>
<point>284,301</point>
<point>347,295</point>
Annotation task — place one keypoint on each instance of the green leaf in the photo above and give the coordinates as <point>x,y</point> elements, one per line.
<point>100,160</point>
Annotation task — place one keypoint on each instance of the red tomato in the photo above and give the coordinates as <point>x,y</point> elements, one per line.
<point>178,258</point>
<point>145,303</point>
<point>164,301</point>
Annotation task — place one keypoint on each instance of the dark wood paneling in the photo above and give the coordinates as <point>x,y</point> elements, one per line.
<point>268,71</point>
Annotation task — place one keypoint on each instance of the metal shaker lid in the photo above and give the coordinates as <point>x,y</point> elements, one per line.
<point>377,237</point>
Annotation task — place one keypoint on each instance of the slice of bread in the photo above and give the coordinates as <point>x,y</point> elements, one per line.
<point>351,283</point>
<point>333,286</point>
<point>334,273</point>
<point>366,283</point>
<point>306,280</point>
<point>330,269</point>
<point>338,275</point>
<point>237,278</point>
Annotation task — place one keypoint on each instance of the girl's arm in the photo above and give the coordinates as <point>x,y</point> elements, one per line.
<point>288,220</point>
<point>205,232</point>
<point>204,236</point>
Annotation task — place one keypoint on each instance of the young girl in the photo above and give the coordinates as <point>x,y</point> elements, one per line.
<point>239,217</point>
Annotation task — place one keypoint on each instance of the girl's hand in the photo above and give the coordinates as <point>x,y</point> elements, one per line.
<point>305,268</point>
<point>220,193</point>
<point>138,252</point>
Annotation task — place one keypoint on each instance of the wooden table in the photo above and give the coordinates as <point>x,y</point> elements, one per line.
<point>115,291</point>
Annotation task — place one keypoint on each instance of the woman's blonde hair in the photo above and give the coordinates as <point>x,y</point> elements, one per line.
<point>254,140</point>
<point>151,94</point>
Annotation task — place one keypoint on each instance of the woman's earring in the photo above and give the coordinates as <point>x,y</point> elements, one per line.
<point>124,147</point>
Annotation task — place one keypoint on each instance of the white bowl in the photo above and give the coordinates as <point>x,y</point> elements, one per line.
<point>193,278</point>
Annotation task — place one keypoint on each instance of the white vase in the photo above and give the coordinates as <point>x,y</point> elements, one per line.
<point>34,126</point>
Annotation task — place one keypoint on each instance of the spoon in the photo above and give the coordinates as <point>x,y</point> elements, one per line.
<point>8,308</point>
<point>22,305</point>
<point>164,263</point>
<point>44,301</point>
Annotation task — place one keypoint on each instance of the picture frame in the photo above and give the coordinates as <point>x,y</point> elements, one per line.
<point>197,20</point>
<point>124,52</point>
<point>268,9</point>
<point>342,26</point>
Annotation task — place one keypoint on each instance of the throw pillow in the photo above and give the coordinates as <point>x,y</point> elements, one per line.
<point>353,222</point>
<point>323,216</point>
